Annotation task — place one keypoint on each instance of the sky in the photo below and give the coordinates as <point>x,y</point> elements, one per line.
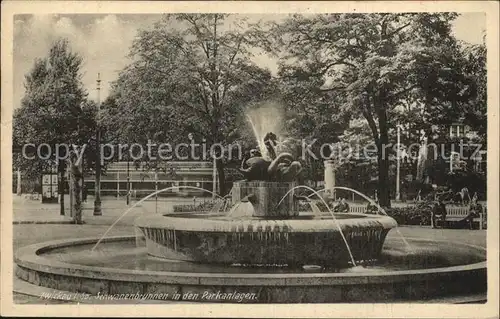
<point>104,41</point>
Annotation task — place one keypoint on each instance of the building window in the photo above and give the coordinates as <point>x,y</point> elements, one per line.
<point>457,130</point>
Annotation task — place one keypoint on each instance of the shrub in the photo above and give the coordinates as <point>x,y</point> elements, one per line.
<point>411,215</point>
<point>305,206</point>
<point>202,207</point>
<point>419,214</point>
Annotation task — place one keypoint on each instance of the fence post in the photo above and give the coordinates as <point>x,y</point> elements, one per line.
<point>118,184</point>
<point>156,191</point>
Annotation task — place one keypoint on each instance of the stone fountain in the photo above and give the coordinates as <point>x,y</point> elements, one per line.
<point>272,232</point>
<point>269,252</point>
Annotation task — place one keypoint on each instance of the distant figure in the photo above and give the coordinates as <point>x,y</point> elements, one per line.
<point>438,213</point>
<point>372,208</point>
<point>84,193</point>
<point>342,206</point>
<point>464,195</point>
<point>475,209</point>
<point>129,196</point>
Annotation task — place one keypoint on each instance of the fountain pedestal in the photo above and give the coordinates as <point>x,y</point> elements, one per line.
<point>329,178</point>
<point>265,197</point>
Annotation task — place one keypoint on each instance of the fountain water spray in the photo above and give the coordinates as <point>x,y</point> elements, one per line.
<point>263,120</point>
<point>380,209</point>
<point>145,198</point>
<point>331,213</point>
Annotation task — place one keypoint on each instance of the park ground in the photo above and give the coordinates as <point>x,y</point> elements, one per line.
<point>35,223</point>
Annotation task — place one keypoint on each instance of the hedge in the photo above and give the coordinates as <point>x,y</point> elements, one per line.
<point>202,207</point>
<point>410,215</point>
<point>419,214</point>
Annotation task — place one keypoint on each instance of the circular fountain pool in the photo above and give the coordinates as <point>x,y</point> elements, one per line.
<point>431,269</point>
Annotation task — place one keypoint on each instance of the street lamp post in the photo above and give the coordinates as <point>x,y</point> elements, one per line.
<point>214,178</point>
<point>398,167</point>
<point>128,180</point>
<point>97,200</point>
<point>156,190</point>
<point>18,188</point>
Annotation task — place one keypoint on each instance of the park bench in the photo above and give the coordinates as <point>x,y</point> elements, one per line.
<point>459,213</point>
<point>358,209</point>
<point>454,213</point>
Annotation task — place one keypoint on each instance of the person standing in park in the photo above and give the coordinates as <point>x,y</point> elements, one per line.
<point>438,213</point>
<point>464,195</point>
<point>475,209</point>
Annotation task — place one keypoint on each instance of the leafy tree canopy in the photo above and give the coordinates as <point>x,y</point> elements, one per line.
<point>368,65</point>
<point>53,108</point>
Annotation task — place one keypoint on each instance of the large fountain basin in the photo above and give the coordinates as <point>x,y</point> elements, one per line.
<point>249,240</point>
<point>435,269</point>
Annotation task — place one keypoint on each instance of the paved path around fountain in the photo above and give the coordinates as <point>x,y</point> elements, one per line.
<point>27,211</point>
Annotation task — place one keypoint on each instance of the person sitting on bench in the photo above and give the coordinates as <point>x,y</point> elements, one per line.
<point>372,208</point>
<point>341,207</point>
<point>438,213</point>
<point>475,209</point>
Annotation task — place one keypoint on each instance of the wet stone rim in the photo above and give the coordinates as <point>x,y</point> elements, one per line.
<point>291,225</point>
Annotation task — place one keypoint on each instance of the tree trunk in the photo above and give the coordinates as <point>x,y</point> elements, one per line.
<point>383,181</point>
<point>97,184</point>
<point>222,178</point>
<point>61,170</point>
<point>76,177</point>
<point>383,162</point>
<point>18,186</point>
<point>312,170</point>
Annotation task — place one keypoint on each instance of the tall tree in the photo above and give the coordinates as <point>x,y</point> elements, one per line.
<point>50,111</point>
<point>374,62</point>
<point>475,109</point>
<point>191,73</point>
<point>311,115</point>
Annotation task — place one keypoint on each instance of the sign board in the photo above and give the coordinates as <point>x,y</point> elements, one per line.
<point>49,188</point>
